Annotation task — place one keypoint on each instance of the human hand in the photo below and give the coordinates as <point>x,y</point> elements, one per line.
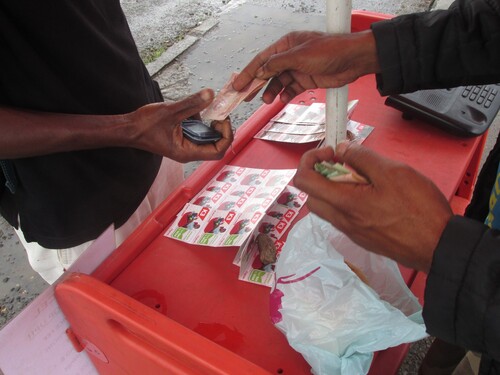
<point>307,60</point>
<point>399,214</point>
<point>158,128</point>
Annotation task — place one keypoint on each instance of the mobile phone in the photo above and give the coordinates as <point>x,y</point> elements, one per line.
<point>199,133</point>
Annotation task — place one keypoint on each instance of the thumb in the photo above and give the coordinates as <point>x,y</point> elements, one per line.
<point>193,104</point>
<point>364,161</point>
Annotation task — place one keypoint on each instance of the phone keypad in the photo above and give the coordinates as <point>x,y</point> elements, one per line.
<point>482,95</point>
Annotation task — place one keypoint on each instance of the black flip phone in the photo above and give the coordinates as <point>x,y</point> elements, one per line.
<point>199,133</point>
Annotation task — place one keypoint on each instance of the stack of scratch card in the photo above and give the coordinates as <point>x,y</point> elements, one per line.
<point>234,207</point>
<point>299,123</point>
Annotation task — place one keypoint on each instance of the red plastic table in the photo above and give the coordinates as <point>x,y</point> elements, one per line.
<point>157,305</point>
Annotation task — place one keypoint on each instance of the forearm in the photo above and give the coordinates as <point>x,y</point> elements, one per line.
<point>29,133</point>
<point>462,297</point>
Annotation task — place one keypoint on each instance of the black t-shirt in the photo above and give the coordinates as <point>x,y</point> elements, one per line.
<point>74,57</point>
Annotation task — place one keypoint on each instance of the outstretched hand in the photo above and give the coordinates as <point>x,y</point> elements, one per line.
<point>158,127</point>
<point>400,213</point>
<point>307,60</point>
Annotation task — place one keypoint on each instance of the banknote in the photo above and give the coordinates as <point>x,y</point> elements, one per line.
<point>228,99</point>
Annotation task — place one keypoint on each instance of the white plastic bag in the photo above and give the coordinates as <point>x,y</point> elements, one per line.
<point>327,313</point>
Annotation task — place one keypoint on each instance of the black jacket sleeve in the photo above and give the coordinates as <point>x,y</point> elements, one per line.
<point>440,49</point>
<point>462,296</point>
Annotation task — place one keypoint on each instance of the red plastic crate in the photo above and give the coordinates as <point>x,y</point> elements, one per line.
<point>157,305</point>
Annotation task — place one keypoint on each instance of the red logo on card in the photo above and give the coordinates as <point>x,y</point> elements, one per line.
<point>250,190</point>
<point>229,217</point>
<point>289,215</point>
<point>241,201</point>
<point>203,213</point>
<point>281,226</point>
<point>266,202</point>
<point>256,217</point>
<point>279,245</point>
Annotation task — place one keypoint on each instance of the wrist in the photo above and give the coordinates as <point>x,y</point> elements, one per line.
<point>109,131</point>
<point>367,59</point>
<point>124,130</point>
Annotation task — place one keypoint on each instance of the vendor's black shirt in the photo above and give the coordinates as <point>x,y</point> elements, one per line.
<point>73,57</point>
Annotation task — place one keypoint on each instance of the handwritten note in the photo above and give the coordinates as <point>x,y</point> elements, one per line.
<point>35,341</point>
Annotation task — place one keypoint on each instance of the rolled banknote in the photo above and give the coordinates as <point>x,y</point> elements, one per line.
<point>337,172</point>
<point>228,99</point>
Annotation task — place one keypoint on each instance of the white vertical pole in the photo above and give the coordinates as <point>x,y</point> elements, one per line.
<point>338,21</point>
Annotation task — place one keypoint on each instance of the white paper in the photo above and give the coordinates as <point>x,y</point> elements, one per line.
<point>35,341</point>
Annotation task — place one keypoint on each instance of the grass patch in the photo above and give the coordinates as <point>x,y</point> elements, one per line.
<point>150,55</point>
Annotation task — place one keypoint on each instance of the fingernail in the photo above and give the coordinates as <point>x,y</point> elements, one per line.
<point>259,73</point>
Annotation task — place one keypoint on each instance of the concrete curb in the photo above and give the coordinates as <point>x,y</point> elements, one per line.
<point>155,67</point>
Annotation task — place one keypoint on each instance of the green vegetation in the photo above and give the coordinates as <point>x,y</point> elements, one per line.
<point>151,54</point>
